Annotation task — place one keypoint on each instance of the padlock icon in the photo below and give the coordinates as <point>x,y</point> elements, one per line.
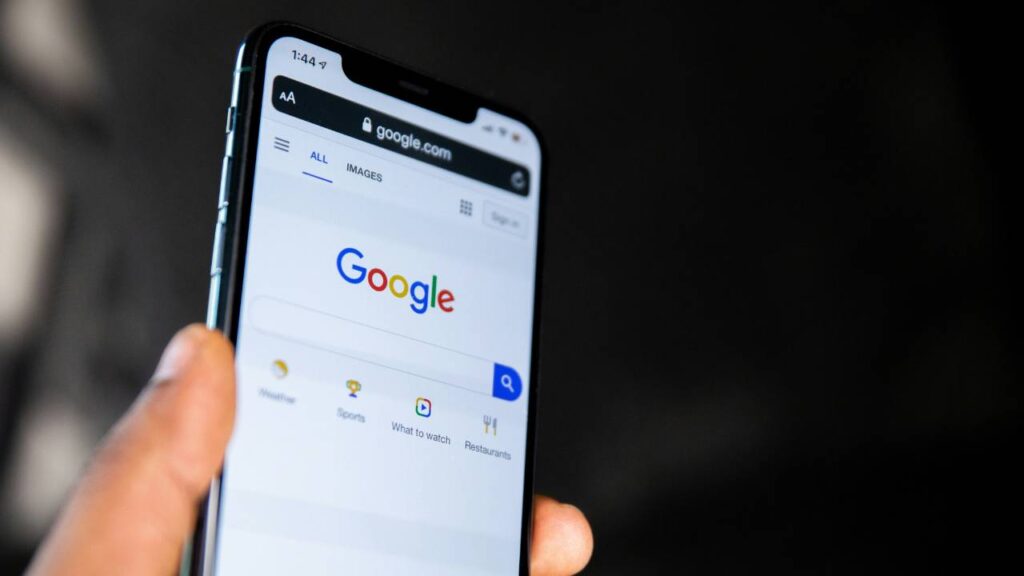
<point>367,125</point>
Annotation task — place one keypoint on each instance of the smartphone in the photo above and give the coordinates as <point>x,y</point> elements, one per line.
<point>376,264</point>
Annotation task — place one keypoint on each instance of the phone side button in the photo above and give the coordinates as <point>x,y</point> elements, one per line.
<point>218,250</point>
<point>229,124</point>
<point>225,175</point>
<point>212,301</point>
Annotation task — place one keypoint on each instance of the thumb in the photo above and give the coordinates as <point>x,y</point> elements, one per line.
<point>136,503</point>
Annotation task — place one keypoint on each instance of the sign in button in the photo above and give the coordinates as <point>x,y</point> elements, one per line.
<point>504,219</point>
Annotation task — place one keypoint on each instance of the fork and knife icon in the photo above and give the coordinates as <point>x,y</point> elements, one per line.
<point>490,425</point>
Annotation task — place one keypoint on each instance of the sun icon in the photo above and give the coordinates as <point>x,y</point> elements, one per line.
<point>279,369</point>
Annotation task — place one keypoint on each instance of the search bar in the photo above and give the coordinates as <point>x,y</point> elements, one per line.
<point>384,348</point>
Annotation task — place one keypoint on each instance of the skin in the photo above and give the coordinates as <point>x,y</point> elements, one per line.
<point>136,504</point>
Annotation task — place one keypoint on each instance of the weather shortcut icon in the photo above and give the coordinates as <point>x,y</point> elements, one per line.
<point>353,387</point>
<point>279,369</point>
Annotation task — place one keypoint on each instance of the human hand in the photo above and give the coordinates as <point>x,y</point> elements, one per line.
<point>136,504</point>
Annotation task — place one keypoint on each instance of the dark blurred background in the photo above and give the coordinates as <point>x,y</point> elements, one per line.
<point>781,314</point>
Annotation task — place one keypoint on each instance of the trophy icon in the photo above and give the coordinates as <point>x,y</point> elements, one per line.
<point>353,387</point>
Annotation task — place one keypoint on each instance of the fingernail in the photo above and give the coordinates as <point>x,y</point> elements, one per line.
<point>180,352</point>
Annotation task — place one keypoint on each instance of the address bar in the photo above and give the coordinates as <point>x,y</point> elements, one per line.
<point>383,348</point>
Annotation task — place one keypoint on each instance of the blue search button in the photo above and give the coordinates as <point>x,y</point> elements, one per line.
<point>507,384</point>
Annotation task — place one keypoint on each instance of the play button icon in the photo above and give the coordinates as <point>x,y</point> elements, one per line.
<point>423,407</point>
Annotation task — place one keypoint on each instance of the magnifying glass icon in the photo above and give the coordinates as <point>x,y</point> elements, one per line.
<point>507,384</point>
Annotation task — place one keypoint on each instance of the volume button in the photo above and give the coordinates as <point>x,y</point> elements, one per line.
<point>229,125</point>
<point>225,176</point>
<point>218,247</point>
<point>229,129</point>
<point>229,144</point>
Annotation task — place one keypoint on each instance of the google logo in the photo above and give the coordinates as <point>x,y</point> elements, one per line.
<point>423,295</point>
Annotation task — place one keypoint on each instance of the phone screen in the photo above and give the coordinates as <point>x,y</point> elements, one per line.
<point>385,334</point>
